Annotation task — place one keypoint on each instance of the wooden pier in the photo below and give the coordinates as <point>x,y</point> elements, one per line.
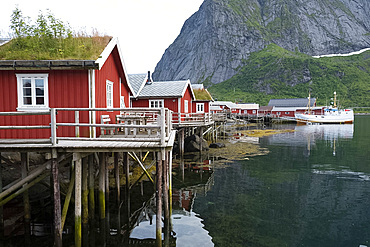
<point>132,131</point>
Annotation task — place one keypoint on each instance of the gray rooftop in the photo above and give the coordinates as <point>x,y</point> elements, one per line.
<point>164,89</point>
<point>136,81</point>
<point>298,102</point>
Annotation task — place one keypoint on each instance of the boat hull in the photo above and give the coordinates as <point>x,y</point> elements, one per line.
<point>343,117</point>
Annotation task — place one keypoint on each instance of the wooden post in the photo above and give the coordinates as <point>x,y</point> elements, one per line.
<point>85,200</point>
<point>201,139</point>
<point>1,208</point>
<point>107,218</point>
<point>78,209</point>
<point>165,198</point>
<point>102,186</point>
<point>26,199</point>
<point>170,185</point>
<point>57,204</point>
<point>181,141</point>
<point>91,190</point>
<point>126,163</point>
<point>116,172</point>
<point>159,201</point>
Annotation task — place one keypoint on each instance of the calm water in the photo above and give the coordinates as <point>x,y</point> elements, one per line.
<point>311,189</point>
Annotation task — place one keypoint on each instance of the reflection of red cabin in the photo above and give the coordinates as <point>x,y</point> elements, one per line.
<point>29,86</point>
<point>174,95</point>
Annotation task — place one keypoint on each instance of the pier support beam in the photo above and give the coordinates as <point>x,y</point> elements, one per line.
<point>56,198</point>
<point>126,164</point>
<point>159,201</point>
<point>166,198</point>
<point>116,175</point>
<point>102,186</point>
<point>78,207</point>
<point>181,141</point>
<point>26,199</point>
<point>91,190</point>
<point>1,207</point>
<point>85,200</point>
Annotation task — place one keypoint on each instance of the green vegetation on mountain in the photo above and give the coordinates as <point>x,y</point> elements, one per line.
<point>277,73</point>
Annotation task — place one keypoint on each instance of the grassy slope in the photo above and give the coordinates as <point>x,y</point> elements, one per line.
<point>277,73</point>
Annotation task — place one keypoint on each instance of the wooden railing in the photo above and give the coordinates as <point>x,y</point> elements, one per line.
<point>133,125</point>
<point>192,119</point>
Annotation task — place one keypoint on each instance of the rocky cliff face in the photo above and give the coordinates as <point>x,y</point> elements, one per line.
<point>216,41</point>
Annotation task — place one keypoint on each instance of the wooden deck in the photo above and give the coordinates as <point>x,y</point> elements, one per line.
<point>154,134</point>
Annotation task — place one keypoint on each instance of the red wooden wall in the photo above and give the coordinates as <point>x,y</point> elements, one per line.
<point>67,88</point>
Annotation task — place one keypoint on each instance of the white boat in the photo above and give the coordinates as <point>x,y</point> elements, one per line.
<point>332,115</point>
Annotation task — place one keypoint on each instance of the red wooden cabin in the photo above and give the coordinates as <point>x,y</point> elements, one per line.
<point>174,95</point>
<point>203,98</point>
<point>38,85</point>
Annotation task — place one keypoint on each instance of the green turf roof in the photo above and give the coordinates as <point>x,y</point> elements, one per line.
<point>72,48</point>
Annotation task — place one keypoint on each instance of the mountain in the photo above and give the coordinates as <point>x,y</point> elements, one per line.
<point>278,73</point>
<point>216,42</point>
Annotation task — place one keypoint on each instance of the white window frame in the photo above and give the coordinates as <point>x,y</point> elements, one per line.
<point>200,107</point>
<point>156,103</point>
<point>186,106</point>
<point>109,94</point>
<point>33,106</point>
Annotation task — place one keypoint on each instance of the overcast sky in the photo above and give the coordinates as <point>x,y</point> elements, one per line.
<point>145,28</point>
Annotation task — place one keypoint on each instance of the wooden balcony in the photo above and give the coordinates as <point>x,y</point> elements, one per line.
<point>192,119</point>
<point>129,129</point>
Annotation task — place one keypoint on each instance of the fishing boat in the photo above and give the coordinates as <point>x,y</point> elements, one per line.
<point>331,115</point>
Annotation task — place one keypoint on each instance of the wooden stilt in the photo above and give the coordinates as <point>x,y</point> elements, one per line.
<point>102,186</point>
<point>116,172</point>
<point>68,197</point>
<point>170,185</point>
<point>85,201</point>
<point>159,201</point>
<point>91,190</point>
<point>57,203</point>
<point>102,198</point>
<point>181,141</point>
<point>165,198</point>
<point>78,207</point>
<point>201,139</point>
<point>107,195</point>
<point>1,208</point>
<point>26,199</point>
<point>126,163</point>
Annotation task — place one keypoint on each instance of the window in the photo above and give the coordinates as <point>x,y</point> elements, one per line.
<point>200,107</point>
<point>254,111</point>
<point>32,92</point>
<point>109,94</point>
<point>186,106</point>
<point>156,103</point>
<point>287,113</point>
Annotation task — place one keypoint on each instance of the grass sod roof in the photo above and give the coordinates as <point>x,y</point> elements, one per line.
<point>70,48</point>
<point>202,94</point>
